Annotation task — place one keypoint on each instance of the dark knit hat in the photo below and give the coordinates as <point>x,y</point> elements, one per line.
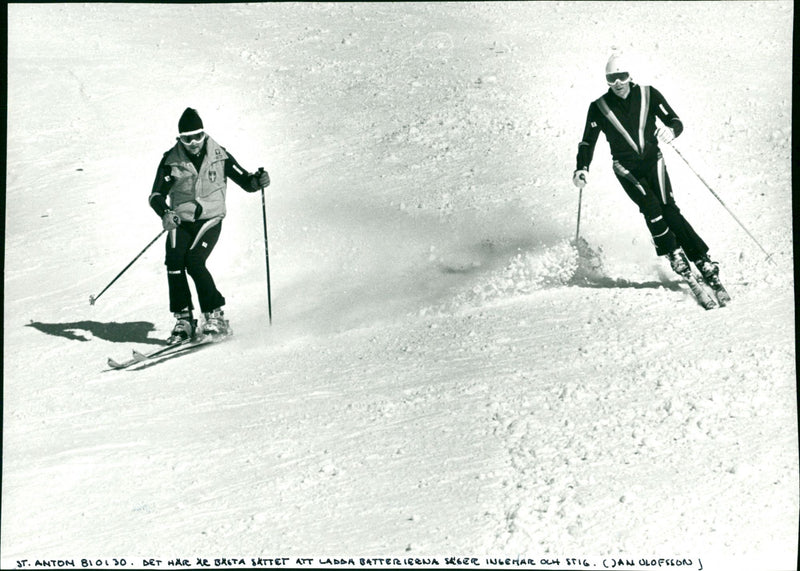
<point>189,121</point>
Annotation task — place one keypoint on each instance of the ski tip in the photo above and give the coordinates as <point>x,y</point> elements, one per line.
<point>707,303</point>
<point>139,356</point>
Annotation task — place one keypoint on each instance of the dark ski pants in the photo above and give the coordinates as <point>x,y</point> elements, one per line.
<point>188,248</point>
<point>649,187</point>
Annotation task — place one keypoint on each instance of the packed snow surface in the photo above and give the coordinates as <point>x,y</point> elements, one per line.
<point>446,374</point>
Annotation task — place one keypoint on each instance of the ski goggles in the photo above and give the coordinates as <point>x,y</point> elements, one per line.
<point>622,77</point>
<point>192,137</point>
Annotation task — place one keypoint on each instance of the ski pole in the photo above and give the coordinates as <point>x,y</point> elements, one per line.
<point>94,298</point>
<point>578,228</point>
<point>711,190</point>
<point>266,248</point>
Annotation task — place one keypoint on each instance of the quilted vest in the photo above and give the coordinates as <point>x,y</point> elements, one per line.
<point>206,187</point>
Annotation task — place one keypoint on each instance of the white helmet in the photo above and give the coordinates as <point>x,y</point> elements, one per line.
<point>617,68</point>
<point>617,63</point>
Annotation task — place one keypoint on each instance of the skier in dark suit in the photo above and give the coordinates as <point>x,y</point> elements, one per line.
<point>627,114</point>
<point>189,196</point>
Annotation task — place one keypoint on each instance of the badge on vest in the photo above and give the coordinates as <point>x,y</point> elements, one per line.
<point>212,176</point>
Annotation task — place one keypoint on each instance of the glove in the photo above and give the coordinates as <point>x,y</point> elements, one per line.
<point>170,220</point>
<point>579,178</point>
<point>259,179</point>
<point>263,178</point>
<point>665,134</point>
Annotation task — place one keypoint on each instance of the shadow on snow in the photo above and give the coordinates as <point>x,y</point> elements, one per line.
<point>606,282</point>
<point>131,332</point>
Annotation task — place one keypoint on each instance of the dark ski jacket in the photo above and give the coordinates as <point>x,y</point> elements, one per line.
<point>629,126</point>
<point>196,185</point>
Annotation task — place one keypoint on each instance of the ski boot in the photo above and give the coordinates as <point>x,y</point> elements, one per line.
<point>710,272</point>
<point>215,324</point>
<point>678,261</point>
<point>680,265</point>
<point>184,329</point>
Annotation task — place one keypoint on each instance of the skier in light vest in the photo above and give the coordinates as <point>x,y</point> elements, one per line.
<point>189,196</point>
<point>627,114</point>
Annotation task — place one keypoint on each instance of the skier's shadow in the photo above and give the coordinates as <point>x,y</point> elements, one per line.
<point>131,332</point>
<point>605,282</point>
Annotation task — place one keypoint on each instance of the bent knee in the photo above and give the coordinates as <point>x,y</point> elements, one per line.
<point>671,211</point>
<point>194,265</point>
<point>174,262</point>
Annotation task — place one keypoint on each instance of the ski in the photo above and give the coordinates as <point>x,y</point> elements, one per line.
<point>700,294</point>
<point>139,357</point>
<point>722,295</point>
<point>179,348</point>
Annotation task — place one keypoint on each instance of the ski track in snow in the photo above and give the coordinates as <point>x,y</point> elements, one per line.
<point>444,375</point>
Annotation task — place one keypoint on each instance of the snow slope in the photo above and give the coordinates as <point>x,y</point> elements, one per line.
<point>443,375</point>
